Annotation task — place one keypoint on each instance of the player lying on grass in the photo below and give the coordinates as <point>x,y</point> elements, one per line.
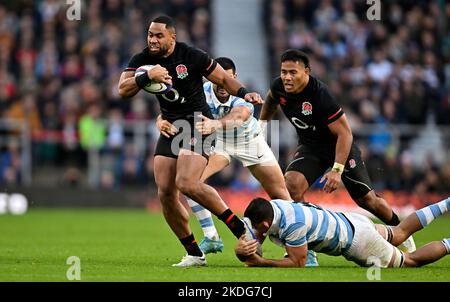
<point>299,227</point>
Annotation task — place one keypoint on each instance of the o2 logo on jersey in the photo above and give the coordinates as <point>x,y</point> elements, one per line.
<point>301,124</point>
<point>172,96</point>
<point>306,108</point>
<point>182,71</point>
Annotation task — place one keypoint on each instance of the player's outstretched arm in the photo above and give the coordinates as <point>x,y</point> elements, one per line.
<point>127,84</point>
<point>220,77</point>
<point>341,129</point>
<point>269,108</point>
<point>246,252</point>
<point>236,117</point>
<point>296,258</point>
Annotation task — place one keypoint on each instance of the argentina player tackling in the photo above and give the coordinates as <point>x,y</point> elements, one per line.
<point>299,227</point>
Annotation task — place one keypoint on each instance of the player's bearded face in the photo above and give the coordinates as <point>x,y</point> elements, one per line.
<point>293,75</point>
<point>159,39</point>
<point>220,92</point>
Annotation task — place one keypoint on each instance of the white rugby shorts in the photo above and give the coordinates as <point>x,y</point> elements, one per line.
<point>252,152</point>
<point>368,247</point>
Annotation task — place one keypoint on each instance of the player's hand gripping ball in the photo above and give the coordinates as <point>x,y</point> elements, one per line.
<point>153,87</point>
<point>250,234</point>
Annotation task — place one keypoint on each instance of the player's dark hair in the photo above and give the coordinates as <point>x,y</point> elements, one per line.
<point>170,23</point>
<point>226,63</point>
<point>295,55</point>
<point>259,210</point>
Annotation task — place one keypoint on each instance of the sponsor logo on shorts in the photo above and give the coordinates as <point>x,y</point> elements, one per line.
<point>307,108</point>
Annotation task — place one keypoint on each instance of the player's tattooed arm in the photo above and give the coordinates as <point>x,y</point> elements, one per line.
<point>127,84</point>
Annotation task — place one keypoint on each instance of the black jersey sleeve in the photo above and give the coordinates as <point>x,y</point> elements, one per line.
<point>136,61</point>
<point>330,109</point>
<point>202,61</point>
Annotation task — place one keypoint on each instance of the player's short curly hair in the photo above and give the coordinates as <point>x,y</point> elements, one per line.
<point>259,210</point>
<point>295,55</point>
<point>170,23</point>
<point>226,63</point>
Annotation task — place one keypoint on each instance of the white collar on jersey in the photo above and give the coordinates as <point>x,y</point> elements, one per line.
<point>216,102</point>
<point>275,227</point>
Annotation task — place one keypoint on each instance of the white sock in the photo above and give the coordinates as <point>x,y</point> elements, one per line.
<point>428,214</point>
<point>205,218</point>
<point>446,243</point>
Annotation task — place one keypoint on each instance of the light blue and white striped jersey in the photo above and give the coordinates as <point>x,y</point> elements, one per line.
<point>249,129</point>
<point>295,224</point>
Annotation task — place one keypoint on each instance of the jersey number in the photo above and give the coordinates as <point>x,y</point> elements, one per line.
<point>173,96</point>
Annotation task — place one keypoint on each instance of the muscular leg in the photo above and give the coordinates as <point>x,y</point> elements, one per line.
<point>190,167</point>
<point>271,179</point>
<point>414,222</point>
<point>215,164</point>
<point>296,184</point>
<point>377,206</point>
<point>174,212</point>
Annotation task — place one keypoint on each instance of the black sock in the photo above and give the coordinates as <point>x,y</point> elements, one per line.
<point>233,223</point>
<point>191,246</point>
<point>394,220</point>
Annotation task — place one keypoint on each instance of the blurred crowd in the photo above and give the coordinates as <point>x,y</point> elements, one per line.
<point>396,69</point>
<point>61,76</point>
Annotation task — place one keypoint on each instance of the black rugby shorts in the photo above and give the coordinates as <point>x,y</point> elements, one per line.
<point>313,163</point>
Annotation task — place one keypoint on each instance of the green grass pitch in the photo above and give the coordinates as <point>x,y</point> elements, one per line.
<point>134,245</point>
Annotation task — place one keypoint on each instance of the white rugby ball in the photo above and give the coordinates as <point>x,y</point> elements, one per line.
<point>250,234</point>
<point>153,87</point>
